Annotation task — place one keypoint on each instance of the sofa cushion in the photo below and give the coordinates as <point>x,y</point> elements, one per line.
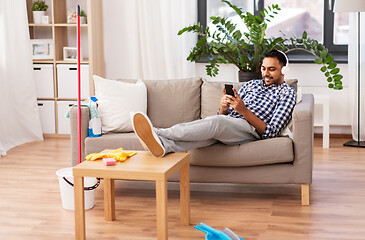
<point>115,102</point>
<point>212,94</point>
<point>127,141</point>
<point>261,152</point>
<point>277,150</point>
<point>172,101</point>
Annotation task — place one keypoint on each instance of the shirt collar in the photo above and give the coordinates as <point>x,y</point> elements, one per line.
<point>272,86</point>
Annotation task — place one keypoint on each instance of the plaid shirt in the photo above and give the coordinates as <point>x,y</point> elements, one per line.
<point>273,104</point>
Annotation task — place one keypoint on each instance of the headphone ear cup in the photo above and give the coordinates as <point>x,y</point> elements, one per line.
<point>285,70</point>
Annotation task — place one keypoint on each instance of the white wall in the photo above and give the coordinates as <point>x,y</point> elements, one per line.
<point>310,77</point>
<point>313,81</point>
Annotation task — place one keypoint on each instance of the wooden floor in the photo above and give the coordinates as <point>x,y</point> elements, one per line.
<point>30,203</point>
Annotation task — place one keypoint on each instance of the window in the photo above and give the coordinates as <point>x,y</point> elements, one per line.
<point>316,17</point>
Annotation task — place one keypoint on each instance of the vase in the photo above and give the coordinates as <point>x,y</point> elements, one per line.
<point>37,16</point>
<point>82,20</point>
<point>247,76</point>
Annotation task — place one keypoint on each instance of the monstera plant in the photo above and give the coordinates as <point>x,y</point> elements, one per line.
<point>246,49</point>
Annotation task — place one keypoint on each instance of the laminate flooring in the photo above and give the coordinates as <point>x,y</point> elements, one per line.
<point>30,202</point>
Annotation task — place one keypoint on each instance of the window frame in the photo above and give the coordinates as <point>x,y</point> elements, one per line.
<point>340,52</point>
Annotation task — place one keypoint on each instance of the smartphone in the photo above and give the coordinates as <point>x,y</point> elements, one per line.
<point>229,89</point>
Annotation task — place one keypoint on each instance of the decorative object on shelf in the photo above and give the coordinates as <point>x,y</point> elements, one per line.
<point>71,16</point>
<point>355,6</point>
<point>246,49</point>
<point>83,17</point>
<point>45,19</point>
<point>70,54</point>
<point>42,48</point>
<point>39,9</point>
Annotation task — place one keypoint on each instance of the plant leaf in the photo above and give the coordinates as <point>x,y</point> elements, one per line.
<point>304,36</point>
<point>337,77</point>
<point>335,71</point>
<point>332,65</point>
<point>323,53</point>
<point>329,59</point>
<point>318,60</point>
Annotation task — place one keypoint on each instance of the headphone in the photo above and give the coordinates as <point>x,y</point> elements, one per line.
<point>285,69</point>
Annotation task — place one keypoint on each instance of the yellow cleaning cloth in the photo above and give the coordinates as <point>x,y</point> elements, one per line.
<point>118,154</point>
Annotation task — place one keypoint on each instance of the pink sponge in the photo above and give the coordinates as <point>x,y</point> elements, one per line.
<point>109,161</point>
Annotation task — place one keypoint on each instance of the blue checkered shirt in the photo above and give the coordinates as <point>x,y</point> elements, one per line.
<point>273,104</point>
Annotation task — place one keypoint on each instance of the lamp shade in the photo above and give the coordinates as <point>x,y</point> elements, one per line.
<point>349,6</point>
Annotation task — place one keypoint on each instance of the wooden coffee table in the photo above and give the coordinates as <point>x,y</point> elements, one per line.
<point>142,166</point>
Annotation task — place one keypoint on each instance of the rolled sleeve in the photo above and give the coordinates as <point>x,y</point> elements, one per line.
<point>281,115</point>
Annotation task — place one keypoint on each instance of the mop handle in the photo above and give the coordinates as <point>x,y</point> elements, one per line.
<point>78,86</point>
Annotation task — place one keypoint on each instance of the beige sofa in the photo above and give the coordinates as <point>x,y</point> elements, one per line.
<point>280,160</point>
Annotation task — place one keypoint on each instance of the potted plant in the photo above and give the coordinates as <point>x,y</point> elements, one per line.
<point>82,17</point>
<point>39,8</point>
<point>246,50</point>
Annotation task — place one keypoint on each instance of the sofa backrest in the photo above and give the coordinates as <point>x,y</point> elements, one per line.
<point>172,101</point>
<point>211,94</point>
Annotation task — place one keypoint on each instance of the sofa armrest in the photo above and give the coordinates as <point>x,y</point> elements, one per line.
<point>303,133</point>
<point>85,118</point>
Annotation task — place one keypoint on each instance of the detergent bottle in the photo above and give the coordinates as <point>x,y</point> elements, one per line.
<point>95,121</point>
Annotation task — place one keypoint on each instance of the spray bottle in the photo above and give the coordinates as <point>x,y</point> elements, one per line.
<point>95,121</point>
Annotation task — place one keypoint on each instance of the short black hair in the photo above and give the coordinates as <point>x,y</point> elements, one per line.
<point>278,55</point>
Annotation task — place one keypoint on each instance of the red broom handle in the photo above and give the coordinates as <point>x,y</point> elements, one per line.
<point>78,85</point>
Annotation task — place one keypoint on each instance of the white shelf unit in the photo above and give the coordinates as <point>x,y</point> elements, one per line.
<point>56,85</point>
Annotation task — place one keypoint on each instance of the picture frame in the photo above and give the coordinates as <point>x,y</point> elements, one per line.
<point>70,54</point>
<point>71,16</point>
<point>42,48</point>
<point>45,19</point>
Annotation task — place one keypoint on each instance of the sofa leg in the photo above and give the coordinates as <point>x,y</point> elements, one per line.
<point>305,195</point>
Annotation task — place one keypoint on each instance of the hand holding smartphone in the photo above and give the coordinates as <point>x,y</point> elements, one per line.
<point>229,89</point>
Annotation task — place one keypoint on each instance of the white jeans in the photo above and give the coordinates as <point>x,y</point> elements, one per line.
<point>204,132</point>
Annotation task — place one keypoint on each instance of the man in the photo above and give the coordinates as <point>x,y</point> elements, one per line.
<point>260,109</point>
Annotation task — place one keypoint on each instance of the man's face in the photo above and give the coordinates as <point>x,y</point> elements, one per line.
<point>271,71</point>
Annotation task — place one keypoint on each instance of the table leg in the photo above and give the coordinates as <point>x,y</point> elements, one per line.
<point>109,199</point>
<point>161,209</point>
<point>80,233</point>
<point>185,195</point>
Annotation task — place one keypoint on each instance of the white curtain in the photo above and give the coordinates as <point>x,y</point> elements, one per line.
<point>19,117</point>
<point>141,41</point>
<point>353,71</point>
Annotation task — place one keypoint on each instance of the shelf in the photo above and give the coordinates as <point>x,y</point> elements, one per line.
<point>46,99</point>
<point>72,62</point>
<point>57,25</point>
<point>39,25</point>
<point>69,25</point>
<point>43,61</point>
<point>70,99</point>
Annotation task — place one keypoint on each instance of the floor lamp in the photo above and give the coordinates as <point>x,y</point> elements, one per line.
<point>354,6</point>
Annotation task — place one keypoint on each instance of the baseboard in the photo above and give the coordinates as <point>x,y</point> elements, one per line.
<point>320,135</point>
<point>56,135</point>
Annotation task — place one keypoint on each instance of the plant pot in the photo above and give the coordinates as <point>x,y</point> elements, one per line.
<point>82,20</point>
<point>37,16</point>
<point>247,76</point>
